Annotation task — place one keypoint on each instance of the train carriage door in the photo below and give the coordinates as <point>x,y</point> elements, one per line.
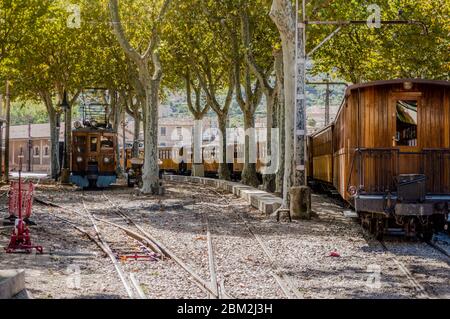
<point>79,152</point>
<point>406,130</point>
<point>93,144</point>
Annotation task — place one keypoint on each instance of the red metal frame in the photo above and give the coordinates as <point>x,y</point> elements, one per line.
<point>21,200</point>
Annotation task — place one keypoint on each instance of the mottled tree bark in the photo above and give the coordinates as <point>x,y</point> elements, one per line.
<point>224,171</point>
<point>136,134</point>
<point>115,112</point>
<point>53,117</point>
<point>279,109</point>
<point>208,85</point>
<point>248,104</point>
<point>198,112</point>
<point>150,84</point>
<point>132,107</point>
<point>283,15</point>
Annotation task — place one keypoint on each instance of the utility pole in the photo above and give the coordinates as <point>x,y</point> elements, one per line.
<point>300,97</point>
<point>299,197</point>
<point>30,146</point>
<point>8,120</point>
<point>328,92</point>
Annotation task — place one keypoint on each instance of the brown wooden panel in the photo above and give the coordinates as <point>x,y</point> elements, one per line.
<point>374,126</point>
<point>447,118</point>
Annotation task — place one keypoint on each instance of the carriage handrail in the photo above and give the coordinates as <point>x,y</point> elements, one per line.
<point>395,154</point>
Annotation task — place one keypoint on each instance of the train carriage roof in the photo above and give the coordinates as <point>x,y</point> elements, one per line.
<point>397,81</point>
<point>379,83</point>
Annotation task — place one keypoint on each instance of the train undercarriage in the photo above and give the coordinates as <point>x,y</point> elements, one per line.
<point>383,214</point>
<point>409,212</point>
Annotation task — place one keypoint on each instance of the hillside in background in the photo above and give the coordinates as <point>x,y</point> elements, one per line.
<point>175,106</point>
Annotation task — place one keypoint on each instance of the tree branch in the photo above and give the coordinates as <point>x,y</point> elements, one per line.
<point>279,11</point>
<point>120,34</point>
<point>154,39</point>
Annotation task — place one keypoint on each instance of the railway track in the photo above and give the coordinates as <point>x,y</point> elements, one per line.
<point>107,248</point>
<point>421,290</point>
<point>401,266</point>
<point>211,258</point>
<point>128,280</point>
<point>216,289</point>
<point>412,281</point>
<point>287,285</point>
<point>283,280</point>
<point>439,249</point>
<point>213,286</point>
<point>210,289</point>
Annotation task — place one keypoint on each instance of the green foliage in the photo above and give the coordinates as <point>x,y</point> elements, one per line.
<point>24,112</point>
<point>40,53</point>
<point>359,54</point>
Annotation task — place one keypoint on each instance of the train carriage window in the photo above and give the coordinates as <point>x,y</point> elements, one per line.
<point>93,144</point>
<point>106,142</point>
<point>406,131</point>
<point>80,142</point>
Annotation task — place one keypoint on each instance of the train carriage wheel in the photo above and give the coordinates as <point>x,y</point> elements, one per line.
<point>379,228</point>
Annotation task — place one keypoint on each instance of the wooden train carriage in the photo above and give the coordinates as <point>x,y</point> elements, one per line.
<point>390,148</point>
<point>93,157</point>
<point>175,159</point>
<point>210,158</point>
<point>321,147</point>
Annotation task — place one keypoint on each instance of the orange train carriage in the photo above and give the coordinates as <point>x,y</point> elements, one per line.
<point>174,160</point>
<point>388,154</point>
<point>210,159</point>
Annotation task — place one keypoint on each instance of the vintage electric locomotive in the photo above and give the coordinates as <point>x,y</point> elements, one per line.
<point>94,143</point>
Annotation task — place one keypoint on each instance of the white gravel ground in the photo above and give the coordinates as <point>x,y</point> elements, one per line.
<point>74,267</point>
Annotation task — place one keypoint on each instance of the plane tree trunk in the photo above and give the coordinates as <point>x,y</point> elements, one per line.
<point>208,84</point>
<point>283,15</point>
<point>116,112</point>
<point>150,75</point>
<point>280,118</point>
<point>53,117</point>
<point>248,104</point>
<point>198,111</point>
<point>150,176</point>
<point>133,108</point>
